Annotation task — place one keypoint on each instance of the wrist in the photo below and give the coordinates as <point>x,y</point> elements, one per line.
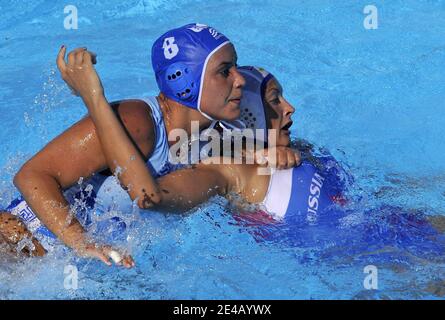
<point>94,99</point>
<point>76,239</point>
<point>82,248</point>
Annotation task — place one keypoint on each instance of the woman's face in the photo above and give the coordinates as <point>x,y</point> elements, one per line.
<point>278,112</point>
<point>223,85</point>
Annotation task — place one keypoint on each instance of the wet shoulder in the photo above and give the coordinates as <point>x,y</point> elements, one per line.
<point>135,116</point>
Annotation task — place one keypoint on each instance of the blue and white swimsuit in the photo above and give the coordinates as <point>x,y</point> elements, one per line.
<point>101,193</point>
<point>308,210</point>
<point>299,194</point>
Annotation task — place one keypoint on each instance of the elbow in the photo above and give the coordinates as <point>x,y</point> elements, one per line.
<point>22,176</point>
<point>149,201</point>
<point>28,176</point>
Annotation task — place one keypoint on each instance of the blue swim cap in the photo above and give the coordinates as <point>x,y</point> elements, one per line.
<point>179,58</point>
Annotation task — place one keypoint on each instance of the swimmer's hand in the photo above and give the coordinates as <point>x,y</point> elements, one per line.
<point>104,254</point>
<point>278,157</point>
<point>80,74</point>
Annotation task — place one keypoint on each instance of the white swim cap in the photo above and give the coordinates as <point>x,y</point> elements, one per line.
<point>252,104</point>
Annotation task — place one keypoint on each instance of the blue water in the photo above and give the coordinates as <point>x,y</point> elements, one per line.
<point>374,98</point>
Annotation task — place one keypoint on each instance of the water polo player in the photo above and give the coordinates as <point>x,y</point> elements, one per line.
<point>305,204</point>
<point>195,68</point>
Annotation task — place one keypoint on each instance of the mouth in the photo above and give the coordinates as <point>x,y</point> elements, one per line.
<point>287,126</point>
<point>236,100</point>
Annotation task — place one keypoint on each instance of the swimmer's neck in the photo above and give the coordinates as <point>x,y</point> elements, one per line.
<point>178,116</point>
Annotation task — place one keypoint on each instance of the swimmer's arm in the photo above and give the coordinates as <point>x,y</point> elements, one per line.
<point>187,188</point>
<point>119,150</point>
<point>280,157</point>
<point>43,195</point>
<point>73,154</point>
<point>122,153</point>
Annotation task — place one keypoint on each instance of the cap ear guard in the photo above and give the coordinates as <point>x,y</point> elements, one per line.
<point>253,116</point>
<point>180,82</point>
<point>252,107</point>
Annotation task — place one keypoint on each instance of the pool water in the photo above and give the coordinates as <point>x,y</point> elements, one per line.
<point>373,98</point>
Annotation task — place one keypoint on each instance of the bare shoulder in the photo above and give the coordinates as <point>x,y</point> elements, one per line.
<point>77,152</point>
<point>136,117</point>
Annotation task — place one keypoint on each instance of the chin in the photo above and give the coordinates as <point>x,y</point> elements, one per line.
<point>232,114</point>
<point>284,141</point>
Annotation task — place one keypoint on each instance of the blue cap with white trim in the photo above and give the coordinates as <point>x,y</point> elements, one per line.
<point>179,58</point>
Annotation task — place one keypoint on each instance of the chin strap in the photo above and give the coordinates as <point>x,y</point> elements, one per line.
<point>206,115</point>
<point>232,125</point>
<point>226,125</point>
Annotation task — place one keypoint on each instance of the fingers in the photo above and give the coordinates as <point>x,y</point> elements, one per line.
<point>39,250</point>
<point>293,158</point>
<point>75,57</point>
<point>78,57</point>
<point>128,262</point>
<point>120,260</point>
<point>281,159</point>
<point>297,156</point>
<point>102,257</point>
<point>261,157</point>
<point>93,252</point>
<point>60,61</point>
<point>89,58</point>
<point>277,158</point>
<point>290,159</point>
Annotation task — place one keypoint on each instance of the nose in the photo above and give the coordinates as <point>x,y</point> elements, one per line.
<point>239,81</point>
<point>288,110</point>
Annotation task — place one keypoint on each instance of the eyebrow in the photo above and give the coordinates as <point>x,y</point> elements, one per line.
<point>225,64</point>
<point>229,63</point>
<point>271,91</point>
